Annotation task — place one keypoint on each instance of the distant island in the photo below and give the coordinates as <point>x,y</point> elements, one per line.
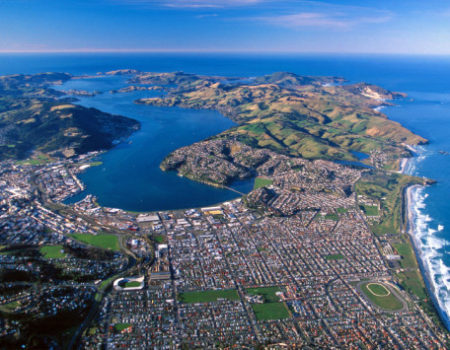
<point>316,255</point>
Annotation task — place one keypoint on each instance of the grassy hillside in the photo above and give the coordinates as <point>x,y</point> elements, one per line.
<point>387,188</point>
<point>33,119</point>
<point>298,116</point>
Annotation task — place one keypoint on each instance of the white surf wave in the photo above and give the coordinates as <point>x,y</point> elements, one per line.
<point>431,248</point>
<point>379,108</point>
<point>410,165</point>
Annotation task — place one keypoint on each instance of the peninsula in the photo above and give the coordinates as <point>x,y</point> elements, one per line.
<point>317,255</point>
<point>307,117</point>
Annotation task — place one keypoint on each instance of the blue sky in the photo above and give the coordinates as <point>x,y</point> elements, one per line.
<point>346,26</point>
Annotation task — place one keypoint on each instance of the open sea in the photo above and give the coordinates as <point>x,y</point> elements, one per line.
<point>129,177</point>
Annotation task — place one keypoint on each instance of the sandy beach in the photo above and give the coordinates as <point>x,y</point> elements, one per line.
<point>402,166</point>
<point>409,205</point>
<point>413,232</point>
<point>411,226</point>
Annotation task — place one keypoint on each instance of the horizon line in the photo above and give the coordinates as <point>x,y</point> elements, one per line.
<point>235,51</point>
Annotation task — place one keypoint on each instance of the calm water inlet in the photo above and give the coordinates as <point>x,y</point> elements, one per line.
<point>129,177</point>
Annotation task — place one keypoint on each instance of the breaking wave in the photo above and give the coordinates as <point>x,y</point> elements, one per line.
<point>431,248</point>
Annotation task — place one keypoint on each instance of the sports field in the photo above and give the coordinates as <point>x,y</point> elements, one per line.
<point>121,326</point>
<point>159,239</point>
<point>208,296</point>
<point>261,182</point>
<point>331,216</point>
<point>381,296</point>
<point>406,251</point>
<point>334,257</point>
<point>132,284</point>
<point>9,307</point>
<point>370,210</point>
<point>52,252</point>
<point>102,240</point>
<point>378,289</point>
<point>272,308</point>
<point>270,311</point>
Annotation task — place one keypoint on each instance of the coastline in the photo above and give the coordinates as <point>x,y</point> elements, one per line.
<point>410,203</point>
<point>403,164</point>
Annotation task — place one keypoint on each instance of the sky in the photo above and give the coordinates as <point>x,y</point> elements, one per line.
<point>278,26</point>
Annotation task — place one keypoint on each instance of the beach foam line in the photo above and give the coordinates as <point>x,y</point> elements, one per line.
<point>430,250</point>
<point>408,166</point>
<point>403,163</point>
<point>379,109</point>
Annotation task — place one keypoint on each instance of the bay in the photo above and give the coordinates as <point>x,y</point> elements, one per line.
<point>129,176</point>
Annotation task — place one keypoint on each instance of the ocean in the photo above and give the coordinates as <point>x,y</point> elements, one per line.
<point>426,111</point>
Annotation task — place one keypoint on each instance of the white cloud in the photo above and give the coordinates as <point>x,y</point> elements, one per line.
<point>324,15</point>
<point>207,15</point>
<point>194,3</point>
<point>287,13</point>
<point>317,19</point>
<point>210,3</point>
<point>306,19</point>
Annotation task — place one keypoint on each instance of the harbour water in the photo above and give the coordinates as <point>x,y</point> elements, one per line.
<point>129,176</point>
<point>426,111</point>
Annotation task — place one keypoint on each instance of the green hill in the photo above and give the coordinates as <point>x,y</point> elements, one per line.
<point>310,117</point>
<point>32,118</point>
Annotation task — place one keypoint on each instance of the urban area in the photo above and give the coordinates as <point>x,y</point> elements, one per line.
<point>291,264</point>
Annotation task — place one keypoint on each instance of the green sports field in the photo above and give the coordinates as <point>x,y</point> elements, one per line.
<point>9,307</point>
<point>261,182</point>
<point>159,239</point>
<point>334,257</point>
<point>370,210</point>
<point>381,296</point>
<point>102,240</point>
<point>208,296</point>
<point>121,326</point>
<point>52,252</point>
<point>270,311</point>
<point>272,308</point>
<point>132,284</point>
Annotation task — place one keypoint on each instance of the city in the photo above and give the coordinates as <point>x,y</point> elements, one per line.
<point>224,174</point>
<point>289,265</point>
